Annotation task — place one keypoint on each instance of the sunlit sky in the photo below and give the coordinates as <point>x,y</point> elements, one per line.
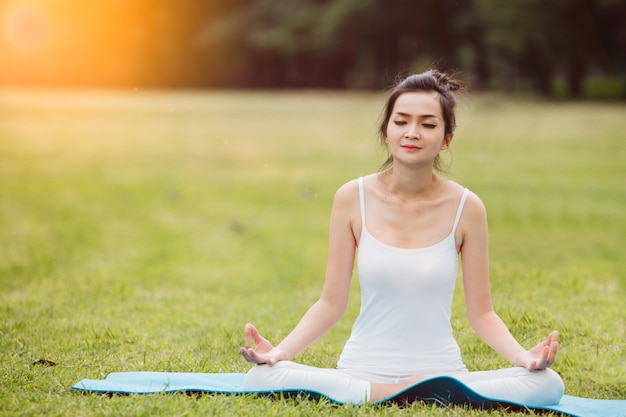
<point>70,41</point>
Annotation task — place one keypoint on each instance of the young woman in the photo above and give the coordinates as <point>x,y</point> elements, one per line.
<point>409,225</point>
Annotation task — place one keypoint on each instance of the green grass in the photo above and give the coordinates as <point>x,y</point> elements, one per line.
<point>141,231</point>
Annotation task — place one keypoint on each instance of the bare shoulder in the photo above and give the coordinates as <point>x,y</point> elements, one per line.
<point>475,206</point>
<point>473,221</point>
<point>345,212</point>
<point>348,194</point>
<point>474,211</point>
<point>348,190</point>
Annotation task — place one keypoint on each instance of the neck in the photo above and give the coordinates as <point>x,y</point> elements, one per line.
<point>407,184</point>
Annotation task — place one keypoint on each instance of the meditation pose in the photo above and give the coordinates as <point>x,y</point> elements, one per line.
<point>409,224</point>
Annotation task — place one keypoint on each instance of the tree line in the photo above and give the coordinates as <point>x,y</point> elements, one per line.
<point>366,43</point>
<point>361,44</point>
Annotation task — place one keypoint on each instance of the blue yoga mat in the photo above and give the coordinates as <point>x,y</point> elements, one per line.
<point>439,390</point>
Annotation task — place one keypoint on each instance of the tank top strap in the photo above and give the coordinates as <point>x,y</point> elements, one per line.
<point>460,210</point>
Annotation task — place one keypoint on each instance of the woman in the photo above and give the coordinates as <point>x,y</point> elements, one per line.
<point>409,225</point>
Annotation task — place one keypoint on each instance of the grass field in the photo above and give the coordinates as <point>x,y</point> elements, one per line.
<point>142,230</point>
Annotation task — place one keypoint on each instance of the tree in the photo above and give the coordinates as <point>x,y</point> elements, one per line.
<point>546,38</point>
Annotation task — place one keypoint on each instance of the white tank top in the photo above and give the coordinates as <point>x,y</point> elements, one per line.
<point>403,328</point>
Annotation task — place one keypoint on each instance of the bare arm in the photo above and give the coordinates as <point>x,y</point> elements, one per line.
<point>333,301</point>
<point>482,317</point>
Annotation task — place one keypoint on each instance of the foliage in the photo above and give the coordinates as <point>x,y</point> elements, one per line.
<point>363,44</point>
<point>356,44</point>
<point>561,36</point>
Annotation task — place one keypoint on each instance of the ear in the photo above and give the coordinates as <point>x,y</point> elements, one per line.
<point>447,140</point>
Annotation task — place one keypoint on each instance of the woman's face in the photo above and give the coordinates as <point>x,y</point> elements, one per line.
<point>416,130</point>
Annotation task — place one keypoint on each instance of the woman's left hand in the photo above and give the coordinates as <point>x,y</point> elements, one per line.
<point>541,356</point>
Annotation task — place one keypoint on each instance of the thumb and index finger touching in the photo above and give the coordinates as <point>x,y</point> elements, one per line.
<point>546,352</point>
<point>252,337</point>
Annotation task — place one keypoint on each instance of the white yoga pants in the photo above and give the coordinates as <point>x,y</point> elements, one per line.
<point>537,388</point>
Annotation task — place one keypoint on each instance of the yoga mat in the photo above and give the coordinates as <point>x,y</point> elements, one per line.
<point>443,391</point>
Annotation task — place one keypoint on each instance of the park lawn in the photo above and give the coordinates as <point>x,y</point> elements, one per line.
<point>139,231</point>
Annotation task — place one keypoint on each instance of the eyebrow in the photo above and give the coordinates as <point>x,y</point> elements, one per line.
<point>423,116</point>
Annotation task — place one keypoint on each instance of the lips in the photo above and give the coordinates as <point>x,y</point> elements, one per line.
<point>411,147</point>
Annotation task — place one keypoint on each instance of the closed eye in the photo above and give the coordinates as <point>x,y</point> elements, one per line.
<point>429,125</point>
<point>399,122</point>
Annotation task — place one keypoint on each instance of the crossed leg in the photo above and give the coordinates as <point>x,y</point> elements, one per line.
<point>510,384</point>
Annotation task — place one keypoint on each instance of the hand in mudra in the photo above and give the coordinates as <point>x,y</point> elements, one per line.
<point>263,351</point>
<point>542,355</point>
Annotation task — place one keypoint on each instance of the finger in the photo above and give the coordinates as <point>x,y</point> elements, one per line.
<point>554,348</point>
<point>252,335</point>
<point>248,335</point>
<point>555,337</point>
<point>251,356</point>
<point>256,358</point>
<point>246,355</point>
<point>258,339</point>
<point>545,359</point>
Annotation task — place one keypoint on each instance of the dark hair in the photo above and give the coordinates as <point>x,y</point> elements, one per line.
<point>431,80</point>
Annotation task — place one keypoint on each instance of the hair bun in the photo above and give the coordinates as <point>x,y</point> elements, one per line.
<point>444,81</point>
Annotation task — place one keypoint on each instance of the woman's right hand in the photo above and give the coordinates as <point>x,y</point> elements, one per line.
<point>263,352</point>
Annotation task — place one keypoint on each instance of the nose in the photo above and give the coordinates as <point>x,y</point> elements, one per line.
<point>411,132</point>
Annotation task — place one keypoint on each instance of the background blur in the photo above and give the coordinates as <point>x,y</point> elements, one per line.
<point>566,48</point>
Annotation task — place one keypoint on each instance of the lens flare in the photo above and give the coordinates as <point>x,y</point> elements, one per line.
<point>27,26</point>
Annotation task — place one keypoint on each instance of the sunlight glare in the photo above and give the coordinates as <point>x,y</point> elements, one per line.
<point>27,26</point>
